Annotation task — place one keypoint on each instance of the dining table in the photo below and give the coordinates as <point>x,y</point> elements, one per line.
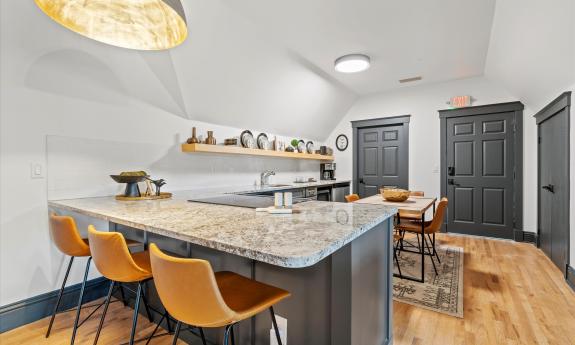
<point>415,207</point>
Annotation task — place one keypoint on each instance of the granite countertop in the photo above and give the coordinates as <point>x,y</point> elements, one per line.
<point>313,232</point>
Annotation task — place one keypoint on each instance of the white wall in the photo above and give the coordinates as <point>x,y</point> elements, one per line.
<point>123,104</point>
<point>532,54</point>
<point>422,103</point>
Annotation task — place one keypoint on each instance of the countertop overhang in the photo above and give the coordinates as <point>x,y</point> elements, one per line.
<point>315,230</point>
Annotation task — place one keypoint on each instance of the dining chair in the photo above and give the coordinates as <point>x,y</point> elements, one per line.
<point>430,229</point>
<point>351,197</point>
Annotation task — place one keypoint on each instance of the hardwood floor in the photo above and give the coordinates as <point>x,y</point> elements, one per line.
<point>513,294</point>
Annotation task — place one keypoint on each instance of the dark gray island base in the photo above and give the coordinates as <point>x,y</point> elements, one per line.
<point>343,297</point>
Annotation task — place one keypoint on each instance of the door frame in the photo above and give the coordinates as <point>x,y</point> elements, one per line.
<point>517,109</point>
<point>400,120</point>
<point>563,101</point>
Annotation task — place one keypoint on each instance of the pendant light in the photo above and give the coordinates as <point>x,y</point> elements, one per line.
<point>133,24</point>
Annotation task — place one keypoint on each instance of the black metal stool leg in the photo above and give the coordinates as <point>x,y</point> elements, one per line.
<point>177,333</point>
<point>203,336</point>
<point>146,305</point>
<point>156,328</point>
<point>108,298</point>
<point>227,334</point>
<point>232,335</point>
<point>278,337</point>
<point>59,296</point>
<point>123,295</point>
<point>135,317</point>
<point>79,308</point>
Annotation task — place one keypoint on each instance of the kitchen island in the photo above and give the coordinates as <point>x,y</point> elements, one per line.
<point>335,259</point>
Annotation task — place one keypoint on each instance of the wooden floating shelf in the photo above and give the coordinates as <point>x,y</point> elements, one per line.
<point>236,150</point>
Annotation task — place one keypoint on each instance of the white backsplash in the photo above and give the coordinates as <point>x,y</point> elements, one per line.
<point>79,167</point>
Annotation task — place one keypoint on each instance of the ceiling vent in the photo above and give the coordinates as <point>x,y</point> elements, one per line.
<point>408,80</point>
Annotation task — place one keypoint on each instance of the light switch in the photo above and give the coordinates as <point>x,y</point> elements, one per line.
<point>36,170</point>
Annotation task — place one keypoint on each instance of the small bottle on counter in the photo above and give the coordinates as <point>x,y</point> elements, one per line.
<point>288,202</point>
<point>278,200</point>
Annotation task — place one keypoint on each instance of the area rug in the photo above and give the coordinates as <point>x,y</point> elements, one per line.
<point>442,292</point>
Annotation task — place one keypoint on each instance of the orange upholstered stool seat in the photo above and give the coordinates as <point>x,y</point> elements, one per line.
<point>115,262</point>
<point>193,294</point>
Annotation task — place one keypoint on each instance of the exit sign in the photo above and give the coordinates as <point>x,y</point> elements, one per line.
<point>460,101</point>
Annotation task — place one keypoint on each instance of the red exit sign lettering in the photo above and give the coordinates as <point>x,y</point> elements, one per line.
<point>460,101</point>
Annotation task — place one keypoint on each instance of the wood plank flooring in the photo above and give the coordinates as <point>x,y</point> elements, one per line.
<point>513,294</point>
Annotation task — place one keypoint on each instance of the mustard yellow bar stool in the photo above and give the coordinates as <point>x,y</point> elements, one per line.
<point>67,239</point>
<point>115,262</point>
<point>194,295</point>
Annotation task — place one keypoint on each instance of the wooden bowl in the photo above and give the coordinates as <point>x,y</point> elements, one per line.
<point>393,194</point>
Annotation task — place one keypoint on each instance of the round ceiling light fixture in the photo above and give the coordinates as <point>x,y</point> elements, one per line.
<point>352,63</point>
<point>133,24</point>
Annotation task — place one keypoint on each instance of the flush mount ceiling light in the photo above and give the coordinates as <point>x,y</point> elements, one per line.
<point>352,63</point>
<point>133,24</point>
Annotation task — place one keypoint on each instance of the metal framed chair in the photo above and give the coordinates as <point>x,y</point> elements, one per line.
<point>430,229</point>
<point>351,197</point>
<point>194,295</point>
<point>115,262</point>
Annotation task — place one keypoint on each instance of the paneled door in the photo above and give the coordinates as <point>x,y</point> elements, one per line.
<point>382,158</point>
<point>553,180</point>
<point>480,174</point>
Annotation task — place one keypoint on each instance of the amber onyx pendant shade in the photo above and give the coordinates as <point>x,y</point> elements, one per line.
<point>133,24</point>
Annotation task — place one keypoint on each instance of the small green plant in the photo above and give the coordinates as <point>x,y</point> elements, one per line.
<point>294,143</point>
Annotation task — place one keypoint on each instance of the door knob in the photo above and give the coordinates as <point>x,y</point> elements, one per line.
<point>549,187</point>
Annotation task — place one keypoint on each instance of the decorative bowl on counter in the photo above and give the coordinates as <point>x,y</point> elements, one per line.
<point>394,194</point>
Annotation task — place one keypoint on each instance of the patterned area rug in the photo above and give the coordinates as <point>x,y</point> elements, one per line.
<point>443,292</point>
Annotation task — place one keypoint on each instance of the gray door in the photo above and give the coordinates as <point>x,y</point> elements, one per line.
<point>382,158</point>
<point>554,187</point>
<point>480,173</point>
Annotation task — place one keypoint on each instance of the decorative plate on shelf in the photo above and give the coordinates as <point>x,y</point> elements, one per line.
<point>301,146</point>
<point>263,142</point>
<point>309,147</point>
<point>247,139</point>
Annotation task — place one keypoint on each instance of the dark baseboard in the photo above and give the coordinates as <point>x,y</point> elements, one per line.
<point>38,307</point>
<point>570,277</point>
<point>524,236</point>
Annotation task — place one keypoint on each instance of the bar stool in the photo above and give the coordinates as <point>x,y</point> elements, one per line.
<point>115,262</point>
<point>67,239</point>
<point>194,295</point>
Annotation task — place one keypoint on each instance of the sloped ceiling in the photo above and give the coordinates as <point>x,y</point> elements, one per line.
<point>439,40</point>
<point>266,65</point>
<point>532,49</point>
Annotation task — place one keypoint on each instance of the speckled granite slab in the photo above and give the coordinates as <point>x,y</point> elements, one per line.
<point>314,231</point>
